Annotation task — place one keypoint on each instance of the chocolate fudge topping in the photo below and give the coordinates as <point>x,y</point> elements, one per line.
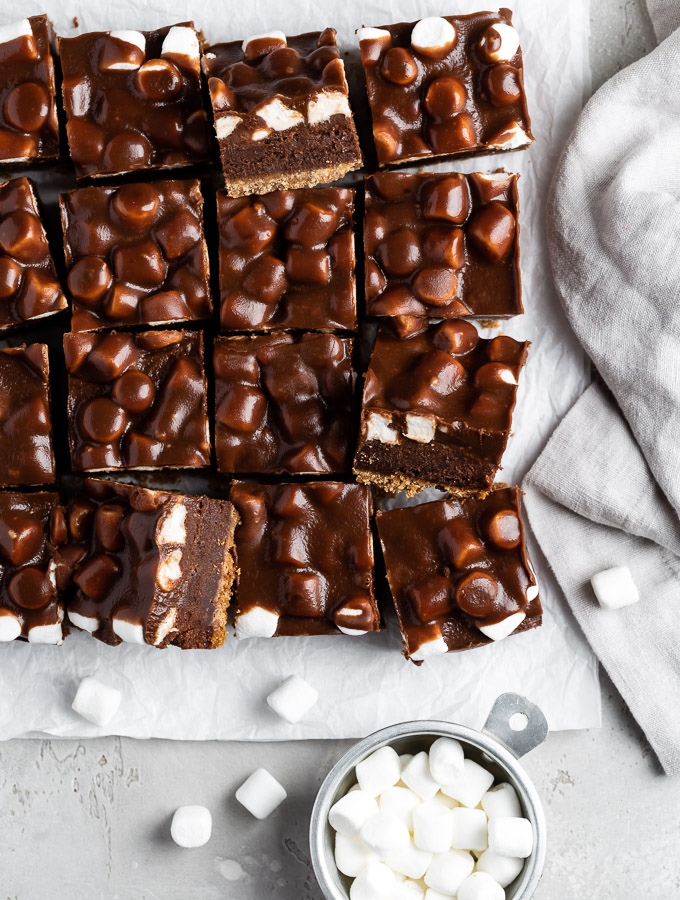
<point>437,408</point>
<point>442,245</point>
<point>283,403</point>
<point>305,556</point>
<point>137,401</point>
<point>446,86</point>
<point>136,254</point>
<point>133,100</point>
<point>26,456</point>
<point>459,572</point>
<point>287,260</point>
<point>149,567</point>
<point>28,111</point>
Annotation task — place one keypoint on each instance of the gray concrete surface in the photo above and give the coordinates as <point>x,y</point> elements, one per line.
<point>90,820</point>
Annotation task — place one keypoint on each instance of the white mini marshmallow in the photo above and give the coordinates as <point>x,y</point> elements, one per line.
<point>469,829</point>
<point>372,34</point>
<point>411,861</point>
<point>225,125</point>
<point>351,855</point>
<point>500,630</point>
<point>182,41</point>
<point>446,759</point>
<point>383,834</point>
<point>511,138</point>
<point>420,428</point>
<point>532,592</point>
<point>46,634</point>
<point>191,826</point>
<point>443,800</point>
<point>351,812</point>
<point>293,699</point>
<point>274,35</point>
<point>136,39</point>
<point>433,35</point>
<point>95,701</point>
<point>327,104</point>
<point>503,869</point>
<point>480,886</point>
<point>615,588</point>
<point>14,30</point>
<point>448,871</point>
<point>407,890</point>
<point>375,882</point>
<point>173,529</point>
<point>261,794</point>
<point>278,116</point>
<point>379,428</point>
<point>10,627</point>
<point>418,777</point>
<point>471,785</point>
<point>501,800</point>
<point>511,836</point>
<point>128,632</point>
<point>400,803</point>
<point>86,623</point>
<point>405,759</point>
<point>165,626</point>
<point>379,771</point>
<point>257,622</point>
<point>432,827</point>
<point>509,42</point>
<point>434,647</point>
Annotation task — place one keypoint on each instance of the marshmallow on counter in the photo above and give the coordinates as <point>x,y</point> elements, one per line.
<point>351,855</point>
<point>503,869</point>
<point>501,800</point>
<point>471,785</point>
<point>383,834</point>
<point>511,836</point>
<point>417,776</point>
<point>432,827</point>
<point>261,794</point>
<point>615,588</point>
<point>446,760</point>
<point>351,812</point>
<point>469,829</point>
<point>480,886</point>
<point>379,771</point>
<point>191,826</point>
<point>96,701</point>
<point>374,882</point>
<point>293,699</point>
<point>448,871</point>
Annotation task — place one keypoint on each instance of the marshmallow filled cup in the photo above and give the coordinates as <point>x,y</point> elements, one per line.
<point>514,727</point>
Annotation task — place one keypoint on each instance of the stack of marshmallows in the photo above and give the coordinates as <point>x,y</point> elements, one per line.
<point>429,827</point>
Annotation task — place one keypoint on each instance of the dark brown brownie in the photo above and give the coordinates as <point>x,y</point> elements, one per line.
<point>287,261</point>
<point>136,254</point>
<point>28,109</point>
<point>26,456</point>
<point>459,572</point>
<point>442,245</point>
<point>29,287</point>
<point>149,567</point>
<point>305,557</point>
<point>133,100</point>
<point>283,403</point>
<point>137,401</point>
<point>446,86</point>
<point>282,114</point>
<point>30,605</point>
<point>437,408</point>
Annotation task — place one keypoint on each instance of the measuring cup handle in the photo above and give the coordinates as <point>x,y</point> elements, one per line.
<point>510,711</point>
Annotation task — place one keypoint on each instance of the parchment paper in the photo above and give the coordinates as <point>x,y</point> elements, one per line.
<point>364,683</point>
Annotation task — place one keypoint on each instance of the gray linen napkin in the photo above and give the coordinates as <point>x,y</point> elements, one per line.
<point>606,489</point>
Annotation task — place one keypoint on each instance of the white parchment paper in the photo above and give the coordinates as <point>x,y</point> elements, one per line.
<point>364,683</point>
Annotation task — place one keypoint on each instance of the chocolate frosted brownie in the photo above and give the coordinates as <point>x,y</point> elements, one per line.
<point>442,245</point>
<point>287,261</point>
<point>282,114</point>
<point>437,408</point>
<point>136,254</point>
<point>459,572</point>
<point>28,109</point>
<point>133,100</point>
<point>283,403</point>
<point>26,456</point>
<point>149,567</point>
<point>305,557</point>
<point>446,86</point>
<point>31,525</point>
<point>137,401</point>
<point>29,287</point>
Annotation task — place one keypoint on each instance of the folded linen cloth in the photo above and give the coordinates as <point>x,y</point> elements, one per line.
<point>606,489</point>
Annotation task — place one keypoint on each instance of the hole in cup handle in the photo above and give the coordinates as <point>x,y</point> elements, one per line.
<point>509,711</point>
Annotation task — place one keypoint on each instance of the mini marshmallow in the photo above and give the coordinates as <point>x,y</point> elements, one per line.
<point>182,41</point>
<point>261,794</point>
<point>432,827</point>
<point>469,829</point>
<point>503,869</point>
<point>511,836</point>
<point>14,30</point>
<point>46,634</point>
<point>136,38</point>
<point>407,890</point>
<point>480,886</point>
<point>400,803</point>
<point>372,34</point>
<point>351,855</point>
<point>375,882</point>
<point>509,44</point>
<point>129,632</point>
<point>433,36</point>
<point>10,627</point>
<point>272,35</point>
<point>471,785</point>
<point>511,138</point>
<point>191,826</point>
<point>405,759</point>
<point>434,647</point>
<point>382,834</point>
<point>327,104</point>
<point>411,862</point>
<point>351,812</point>
<point>256,622</point>
<point>293,699</point>
<point>418,777</point>
<point>95,701</point>
<point>500,630</point>
<point>86,623</point>
<point>448,871</point>
<point>443,800</point>
<point>615,588</point>
<point>278,116</point>
<point>501,800</point>
<point>378,771</point>
<point>446,760</point>
<point>226,124</point>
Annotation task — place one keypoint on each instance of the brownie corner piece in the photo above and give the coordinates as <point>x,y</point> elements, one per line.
<point>437,408</point>
<point>282,114</point>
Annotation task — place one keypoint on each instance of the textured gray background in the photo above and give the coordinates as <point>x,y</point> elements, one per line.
<point>90,820</point>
